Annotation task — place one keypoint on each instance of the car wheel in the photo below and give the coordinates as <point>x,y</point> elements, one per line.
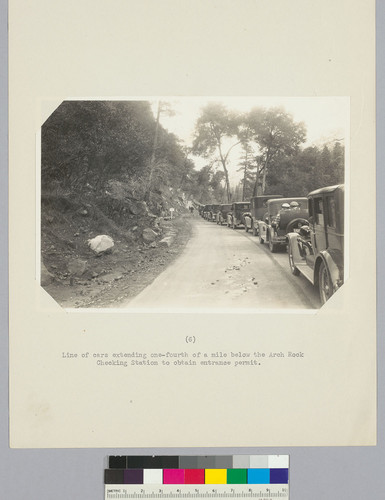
<point>272,246</point>
<point>294,270</point>
<point>296,224</point>
<point>325,283</point>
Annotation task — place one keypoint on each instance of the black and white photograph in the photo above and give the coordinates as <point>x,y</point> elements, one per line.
<point>194,265</point>
<point>182,202</point>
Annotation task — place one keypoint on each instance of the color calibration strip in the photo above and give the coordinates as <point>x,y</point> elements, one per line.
<point>204,470</point>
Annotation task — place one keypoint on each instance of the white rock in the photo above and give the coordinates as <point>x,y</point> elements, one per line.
<point>101,243</point>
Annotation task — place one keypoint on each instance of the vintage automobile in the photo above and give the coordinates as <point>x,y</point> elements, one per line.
<point>235,216</point>
<point>257,211</point>
<point>282,218</point>
<point>224,209</point>
<point>212,216</point>
<point>206,211</point>
<point>317,250</point>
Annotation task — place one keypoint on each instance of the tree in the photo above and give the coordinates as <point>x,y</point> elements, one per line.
<point>247,163</point>
<point>165,108</point>
<point>91,141</point>
<point>276,135</point>
<point>214,126</point>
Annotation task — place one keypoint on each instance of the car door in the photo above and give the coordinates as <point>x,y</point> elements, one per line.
<point>319,224</point>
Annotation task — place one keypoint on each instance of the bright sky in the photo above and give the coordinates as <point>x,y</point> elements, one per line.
<point>325,118</point>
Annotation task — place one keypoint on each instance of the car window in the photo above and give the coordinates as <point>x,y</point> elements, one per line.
<point>332,217</point>
<point>311,211</point>
<point>319,211</point>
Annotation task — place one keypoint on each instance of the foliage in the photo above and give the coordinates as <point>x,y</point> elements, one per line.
<point>208,186</point>
<point>215,124</point>
<point>277,137</point>
<point>310,169</point>
<point>90,144</point>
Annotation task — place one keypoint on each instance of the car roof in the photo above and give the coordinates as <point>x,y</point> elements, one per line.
<point>267,197</point>
<point>286,200</point>
<point>328,189</point>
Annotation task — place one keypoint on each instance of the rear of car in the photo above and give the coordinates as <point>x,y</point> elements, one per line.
<point>280,220</point>
<point>238,211</point>
<point>258,207</point>
<point>224,209</point>
<point>317,250</point>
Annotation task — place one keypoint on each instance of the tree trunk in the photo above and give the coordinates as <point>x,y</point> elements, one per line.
<point>152,160</point>
<point>223,161</point>
<point>245,177</point>
<point>264,173</point>
<point>255,189</point>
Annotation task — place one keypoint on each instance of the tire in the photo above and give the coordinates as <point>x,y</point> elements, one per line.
<point>294,270</point>
<point>272,246</point>
<point>324,283</point>
<point>295,223</point>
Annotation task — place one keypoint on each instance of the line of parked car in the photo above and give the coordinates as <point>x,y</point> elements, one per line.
<point>310,228</point>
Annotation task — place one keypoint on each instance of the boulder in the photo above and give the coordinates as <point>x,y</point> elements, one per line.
<point>137,207</point>
<point>167,241</point>
<point>101,244</point>
<point>148,235</point>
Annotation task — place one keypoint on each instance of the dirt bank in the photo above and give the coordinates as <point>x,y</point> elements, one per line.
<point>77,278</point>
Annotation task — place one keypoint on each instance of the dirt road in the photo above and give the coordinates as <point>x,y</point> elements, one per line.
<point>225,268</point>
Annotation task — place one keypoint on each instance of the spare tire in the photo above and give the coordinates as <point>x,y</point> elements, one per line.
<point>295,224</point>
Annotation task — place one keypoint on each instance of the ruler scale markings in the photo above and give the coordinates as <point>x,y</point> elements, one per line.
<point>172,495</point>
<point>185,477</point>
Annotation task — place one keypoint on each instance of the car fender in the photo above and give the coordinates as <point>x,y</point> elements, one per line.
<point>334,270</point>
<point>262,226</point>
<point>292,238</point>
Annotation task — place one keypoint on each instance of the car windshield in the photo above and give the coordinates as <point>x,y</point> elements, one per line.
<point>276,205</point>
<point>242,206</point>
<point>261,201</point>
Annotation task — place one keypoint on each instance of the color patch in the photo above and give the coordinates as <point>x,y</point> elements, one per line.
<point>194,476</point>
<point>188,462</point>
<point>117,462</point>
<point>113,476</point>
<point>173,476</point>
<point>152,462</point>
<point>223,462</point>
<point>241,461</point>
<point>236,476</point>
<point>206,462</point>
<point>258,476</point>
<point>259,462</point>
<point>133,476</point>
<point>153,476</point>
<point>216,476</point>
<point>278,461</point>
<point>279,476</point>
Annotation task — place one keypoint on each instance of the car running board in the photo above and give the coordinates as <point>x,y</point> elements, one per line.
<point>306,271</point>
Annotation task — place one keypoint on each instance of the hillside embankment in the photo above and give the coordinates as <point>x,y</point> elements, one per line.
<point>143,245</point>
